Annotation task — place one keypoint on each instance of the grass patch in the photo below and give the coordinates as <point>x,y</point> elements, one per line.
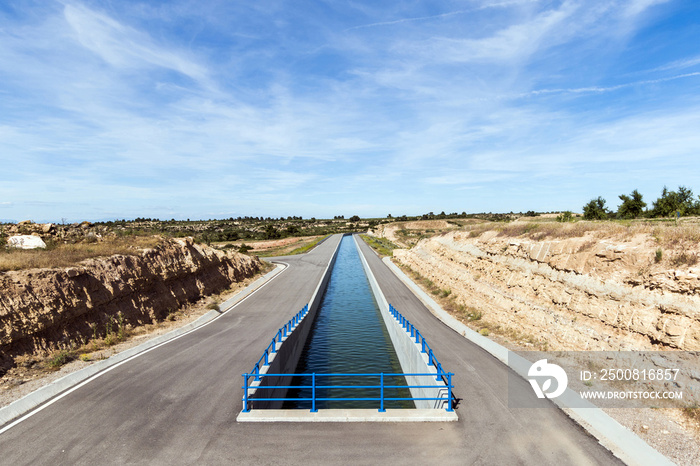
<point>308,247</point>
<point>382,245</point>
<point>692,412</point>
<point>684,258</point>
<point>213,306</point>
<point>303,245</point>
<point>66,255</point>
<point>58,359</point>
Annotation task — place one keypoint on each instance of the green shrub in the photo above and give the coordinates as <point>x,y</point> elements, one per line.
<point>58,359</point>
<point>566,216</point>
<point>595,210</point>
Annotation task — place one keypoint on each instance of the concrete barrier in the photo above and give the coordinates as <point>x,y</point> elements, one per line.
<point>412,360</point>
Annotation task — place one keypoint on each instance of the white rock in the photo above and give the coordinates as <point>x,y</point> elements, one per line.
<point>26,242</point>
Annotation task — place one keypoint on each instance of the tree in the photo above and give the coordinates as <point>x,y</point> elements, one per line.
<point>632,206</point>
<point>566,216</point>
<point>271,232</point>
<point>595,210</point>
<point>671,202</point>
<point>354,218</point>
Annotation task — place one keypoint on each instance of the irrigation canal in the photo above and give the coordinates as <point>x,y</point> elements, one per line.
<point>176,403</point>
<point>348,336</point>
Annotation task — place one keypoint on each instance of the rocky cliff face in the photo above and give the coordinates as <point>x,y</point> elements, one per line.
<point>45,309</point>
<point>583,293</point>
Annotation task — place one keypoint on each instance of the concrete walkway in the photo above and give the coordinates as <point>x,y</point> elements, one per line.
<point>177,404</point>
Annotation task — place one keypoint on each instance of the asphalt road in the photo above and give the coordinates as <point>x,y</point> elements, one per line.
<point>177,404</point>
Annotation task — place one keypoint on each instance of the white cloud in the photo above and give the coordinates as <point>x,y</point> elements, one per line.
<point>636,7</point>
<point>515,42</point>
<point>601,89</point>
<point>125,47</point>
<point>679,64</point>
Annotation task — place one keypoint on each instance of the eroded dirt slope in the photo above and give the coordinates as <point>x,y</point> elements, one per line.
<point>45,309</point>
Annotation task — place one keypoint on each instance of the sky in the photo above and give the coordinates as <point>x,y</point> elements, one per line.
<point>189,109</point>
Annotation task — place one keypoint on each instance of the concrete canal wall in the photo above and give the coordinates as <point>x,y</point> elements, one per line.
<point>412,360</point>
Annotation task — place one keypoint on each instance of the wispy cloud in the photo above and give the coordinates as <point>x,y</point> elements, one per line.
<point>599,89</point>
<point>448,14</point>
<point>124,47</point>
<point>679,64</point>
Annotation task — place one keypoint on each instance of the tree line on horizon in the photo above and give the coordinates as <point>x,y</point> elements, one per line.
<point>681,202</point>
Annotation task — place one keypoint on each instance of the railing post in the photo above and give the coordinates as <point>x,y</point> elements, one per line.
<point>267,362</point>
<point>381,396</point>
<point>439,370</point>
<point>274,346</point>
<point>430,356</point>
<point>449,392</point>
<point>417,336</point>
<point>423,345</point>
<point>313,393</point>
<point>245,393</point>
<point>257,371</point>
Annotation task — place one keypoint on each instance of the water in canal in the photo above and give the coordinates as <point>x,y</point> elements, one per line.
<point>349,337</point>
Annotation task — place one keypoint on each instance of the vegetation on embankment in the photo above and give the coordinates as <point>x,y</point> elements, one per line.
<point>58,255</point>
<point>382,245</point>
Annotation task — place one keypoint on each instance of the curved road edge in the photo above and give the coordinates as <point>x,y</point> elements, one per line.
<point>622,442</point>
<point>19,408</point>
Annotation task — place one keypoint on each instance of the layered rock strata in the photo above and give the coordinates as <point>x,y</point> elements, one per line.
<point>578,293</point>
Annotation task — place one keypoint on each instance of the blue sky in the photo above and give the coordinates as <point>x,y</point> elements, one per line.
<point>191,109</point>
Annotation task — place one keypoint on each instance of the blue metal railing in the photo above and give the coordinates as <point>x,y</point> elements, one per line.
<point>440,375</point>
<point>279,336</point>
<point>419,339</point>
<point>444,394</point>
